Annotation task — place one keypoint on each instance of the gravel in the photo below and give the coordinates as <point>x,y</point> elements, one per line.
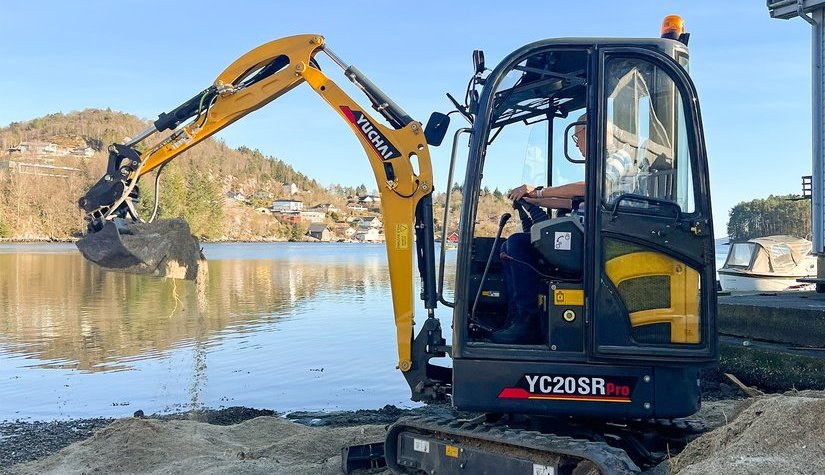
<point>27,441</point>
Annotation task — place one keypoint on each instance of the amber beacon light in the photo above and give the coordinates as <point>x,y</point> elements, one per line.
<point>673,27</point>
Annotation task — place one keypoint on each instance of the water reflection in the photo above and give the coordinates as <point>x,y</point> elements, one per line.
<point>68,313</point>
<point>76,341</point>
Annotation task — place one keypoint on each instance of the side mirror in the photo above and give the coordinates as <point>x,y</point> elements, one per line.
<point>478,61</point>
<point>436,128</point>
<point>567,147</point>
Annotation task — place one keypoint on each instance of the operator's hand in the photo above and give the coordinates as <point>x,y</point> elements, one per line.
<point>520,192</point>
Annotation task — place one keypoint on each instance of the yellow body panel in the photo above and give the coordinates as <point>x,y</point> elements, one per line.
<point>568,297</point>
<point>398,197</point>
<point>683,314</point>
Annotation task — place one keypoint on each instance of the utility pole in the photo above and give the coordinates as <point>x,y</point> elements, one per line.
<point>813,12</point>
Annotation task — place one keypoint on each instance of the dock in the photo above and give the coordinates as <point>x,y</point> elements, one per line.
<point>775,341</point>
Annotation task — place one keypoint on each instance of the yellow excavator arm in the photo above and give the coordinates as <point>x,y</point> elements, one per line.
<point>252,81</point>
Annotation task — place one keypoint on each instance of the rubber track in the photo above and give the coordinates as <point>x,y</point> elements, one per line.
<point>608,459</point>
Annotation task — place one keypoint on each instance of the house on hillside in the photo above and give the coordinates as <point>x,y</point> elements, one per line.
<point>319,231</point>
<point>344,230</point>
<point>370,199</point>
<point>286,206</point>
<point>453,238</point>
<point>310,216</point>
<point>370,222</point>
<point>368,235</point>
<point>263,195</point>
<point>39,148</point>
<point>325,207</point>
<point>290,188</point>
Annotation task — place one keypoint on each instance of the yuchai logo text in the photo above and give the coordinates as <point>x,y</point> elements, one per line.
<point>370,131</point>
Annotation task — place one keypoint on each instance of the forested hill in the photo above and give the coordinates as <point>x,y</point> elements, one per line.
<point>46,164</point>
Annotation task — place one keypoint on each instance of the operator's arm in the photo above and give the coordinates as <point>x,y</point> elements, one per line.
<point>553,197</point>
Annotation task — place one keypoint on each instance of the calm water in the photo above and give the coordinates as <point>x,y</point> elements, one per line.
<point>281,326</point>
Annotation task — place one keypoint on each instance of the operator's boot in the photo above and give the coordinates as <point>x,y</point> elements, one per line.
<point>523,330</point>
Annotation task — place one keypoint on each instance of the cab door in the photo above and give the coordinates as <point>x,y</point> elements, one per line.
<point>653,254</point>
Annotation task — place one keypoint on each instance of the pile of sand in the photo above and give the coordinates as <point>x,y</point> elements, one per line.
<point>772,434</point>
<point>264,445</point>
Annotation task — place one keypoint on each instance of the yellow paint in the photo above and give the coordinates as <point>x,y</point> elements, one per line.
<point>398,198</point>
<point>402,236</point>
<point>568,297</point>
<point>683,314</point>
<point>451,451</point>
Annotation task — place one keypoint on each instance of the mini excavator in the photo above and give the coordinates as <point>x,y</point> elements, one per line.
<point>626,275</point>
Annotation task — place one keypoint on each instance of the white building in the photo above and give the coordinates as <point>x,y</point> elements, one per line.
<point>369,235</point>
<point>286,206</point>
<point>290,188</point>
<point>371,222</point>
<point>310,216</point>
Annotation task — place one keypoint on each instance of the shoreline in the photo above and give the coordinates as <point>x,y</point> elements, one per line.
<point>29,441</point>
<point>29,446</point>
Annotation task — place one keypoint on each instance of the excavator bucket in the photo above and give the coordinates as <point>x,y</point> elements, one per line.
<point>164,248</point>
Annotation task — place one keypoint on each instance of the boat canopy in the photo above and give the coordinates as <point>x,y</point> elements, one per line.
<point>778,254</point>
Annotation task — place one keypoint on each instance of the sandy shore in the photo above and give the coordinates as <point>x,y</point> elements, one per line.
<point>766,434</point>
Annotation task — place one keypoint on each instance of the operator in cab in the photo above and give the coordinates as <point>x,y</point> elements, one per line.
<point>518,256</point>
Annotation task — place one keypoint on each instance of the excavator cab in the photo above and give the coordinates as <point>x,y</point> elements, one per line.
<point>624,279</point>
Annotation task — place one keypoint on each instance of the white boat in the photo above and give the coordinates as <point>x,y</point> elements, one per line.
<point>768,264</point>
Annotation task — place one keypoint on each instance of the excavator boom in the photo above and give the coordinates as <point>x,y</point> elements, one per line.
<point>119,240</point>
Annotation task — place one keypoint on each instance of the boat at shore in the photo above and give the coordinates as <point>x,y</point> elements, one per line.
<point>768,264</point>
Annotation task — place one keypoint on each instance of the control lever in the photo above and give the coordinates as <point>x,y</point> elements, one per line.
<point>501,223</point>
<point>529,214</point>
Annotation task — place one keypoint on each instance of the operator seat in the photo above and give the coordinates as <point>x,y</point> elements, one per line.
<point>560,243</point>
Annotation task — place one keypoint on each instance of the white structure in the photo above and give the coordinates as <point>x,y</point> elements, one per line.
<point>290,188</point>
<point>286,206</point>
<point>325,207</point>
<point>369,235</point>
<point>310,216</point>
<point>344,230</point>
<point>371,222</point>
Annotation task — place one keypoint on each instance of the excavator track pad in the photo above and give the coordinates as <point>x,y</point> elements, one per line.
<point>163,248</point>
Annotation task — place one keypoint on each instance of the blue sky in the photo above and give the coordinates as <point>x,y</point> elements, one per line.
<point>146,57</point>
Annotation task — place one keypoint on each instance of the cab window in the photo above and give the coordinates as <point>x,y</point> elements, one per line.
<point>645,141</point>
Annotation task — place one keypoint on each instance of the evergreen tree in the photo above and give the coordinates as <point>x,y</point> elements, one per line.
<point>773,215</point>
